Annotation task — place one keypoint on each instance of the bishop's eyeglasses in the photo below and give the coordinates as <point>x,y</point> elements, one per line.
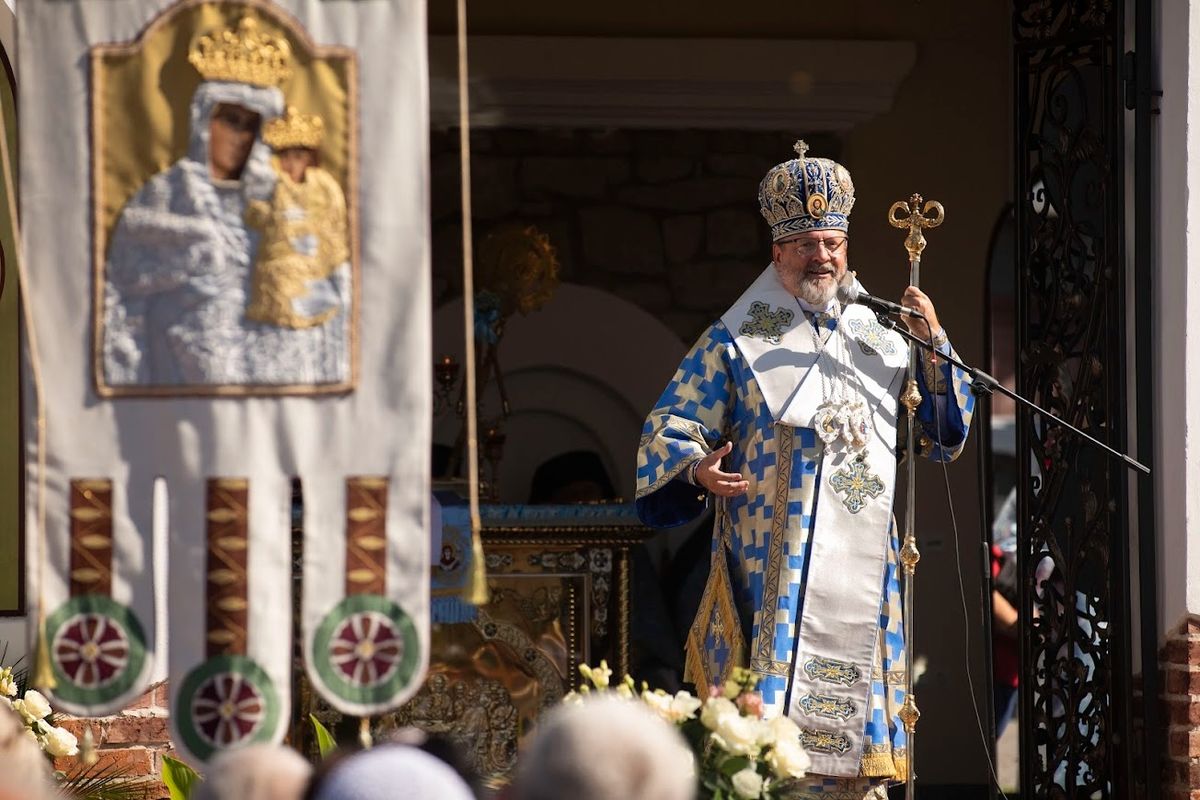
<point>806,248</point>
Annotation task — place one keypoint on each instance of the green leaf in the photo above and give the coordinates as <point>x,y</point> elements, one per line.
<point>179,778</point>
<point>732,766</point>
<point>326,744</point>
<point>95,782</point>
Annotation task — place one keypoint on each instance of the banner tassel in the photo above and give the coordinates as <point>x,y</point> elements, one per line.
<point>477,590</point>
<point>364,733</point>
<point>43,671</point>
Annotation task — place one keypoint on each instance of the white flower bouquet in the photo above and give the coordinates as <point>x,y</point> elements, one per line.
<point>81,775</point>
<point>35,711</point>
<point>738,754</point>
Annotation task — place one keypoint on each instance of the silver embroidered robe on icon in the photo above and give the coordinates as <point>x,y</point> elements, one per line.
<point>804,584</point>
<point>179,269</point>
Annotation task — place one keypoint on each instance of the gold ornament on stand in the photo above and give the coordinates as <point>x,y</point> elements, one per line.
<point>914,216</point>
<point>516,272</point>
<point>519,266</point>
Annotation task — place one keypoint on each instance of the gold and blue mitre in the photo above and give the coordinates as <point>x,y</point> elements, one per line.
<point>806,194</point>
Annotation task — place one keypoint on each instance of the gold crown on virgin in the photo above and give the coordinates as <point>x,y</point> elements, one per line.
<point>247,55</point>
<point>294,129</point>
<point>806,194</point>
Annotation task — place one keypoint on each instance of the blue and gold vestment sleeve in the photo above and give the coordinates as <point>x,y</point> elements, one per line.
<point>946,405</point>
<point>686,422</point>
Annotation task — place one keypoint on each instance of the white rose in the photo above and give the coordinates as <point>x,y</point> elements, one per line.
<point>681,707</point>
<point>8,687</point>
<point>60,742</point>
<point>684,706</point>
<point>715,709</point>
<point>34,706</point>
<point>779,729</point>
<point>788,759</point>
<point>738,735</point>
<point>784,728</point>
<point>4,701</point>
<point>747,784</point>
<point>659,702</point>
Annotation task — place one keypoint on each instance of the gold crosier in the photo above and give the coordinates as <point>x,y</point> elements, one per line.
<point>913,216</point>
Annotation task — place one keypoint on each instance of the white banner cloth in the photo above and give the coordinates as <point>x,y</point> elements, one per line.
<point>225,329</point>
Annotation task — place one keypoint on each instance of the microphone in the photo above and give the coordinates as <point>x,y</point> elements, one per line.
<point>849,293</point>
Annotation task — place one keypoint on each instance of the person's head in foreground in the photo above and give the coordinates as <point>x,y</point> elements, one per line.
<point>24,770</point>
<point>387,772</point>
<point>255,772</point>
<point>605,748</point>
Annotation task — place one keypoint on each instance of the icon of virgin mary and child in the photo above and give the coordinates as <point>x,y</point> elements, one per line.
<point>230,269</point>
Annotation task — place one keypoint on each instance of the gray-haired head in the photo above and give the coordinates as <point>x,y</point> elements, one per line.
<point>605,748</point>
<point>255,772</point>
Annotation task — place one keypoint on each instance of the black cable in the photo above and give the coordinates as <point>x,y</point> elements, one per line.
<point>962,590</point>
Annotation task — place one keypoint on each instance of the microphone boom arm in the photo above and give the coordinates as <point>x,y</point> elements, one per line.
<point>982,382</point>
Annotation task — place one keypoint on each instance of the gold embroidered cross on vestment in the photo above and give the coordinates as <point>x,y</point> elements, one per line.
<point>857,483</point>
<point>766,324</point>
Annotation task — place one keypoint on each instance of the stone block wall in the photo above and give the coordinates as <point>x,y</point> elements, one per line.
<point>135,739</point>
<point>667,220</point>
<point>1180,659</point>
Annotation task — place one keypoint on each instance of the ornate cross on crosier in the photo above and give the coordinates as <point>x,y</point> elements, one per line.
<point>766,324</point>
<point>914,216</point>
<point>916,219</point>
<point>858,484</point>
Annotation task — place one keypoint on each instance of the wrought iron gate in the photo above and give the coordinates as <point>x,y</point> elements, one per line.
<point>1079,715</point>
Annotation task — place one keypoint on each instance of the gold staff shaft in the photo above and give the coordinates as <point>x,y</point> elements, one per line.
<point>913,217</point>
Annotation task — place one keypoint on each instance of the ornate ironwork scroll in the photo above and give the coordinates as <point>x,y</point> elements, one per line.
<point>1074,538</point>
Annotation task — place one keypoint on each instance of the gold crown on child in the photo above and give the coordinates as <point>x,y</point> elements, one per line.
<point>247,55</point>
<point>294,129</point>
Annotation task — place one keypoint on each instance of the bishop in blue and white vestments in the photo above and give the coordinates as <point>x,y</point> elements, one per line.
<point>785,414</point>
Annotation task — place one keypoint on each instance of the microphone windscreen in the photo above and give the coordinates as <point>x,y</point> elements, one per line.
<point>847,293</point>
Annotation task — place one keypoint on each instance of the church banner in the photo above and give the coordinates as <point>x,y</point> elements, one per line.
<point>226,227</point>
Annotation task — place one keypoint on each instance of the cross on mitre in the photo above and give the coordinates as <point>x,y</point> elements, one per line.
<point>800,147</point>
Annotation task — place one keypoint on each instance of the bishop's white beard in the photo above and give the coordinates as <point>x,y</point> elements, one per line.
<point>817,292</point>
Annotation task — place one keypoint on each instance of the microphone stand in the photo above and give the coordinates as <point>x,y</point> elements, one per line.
<point>983,383</point>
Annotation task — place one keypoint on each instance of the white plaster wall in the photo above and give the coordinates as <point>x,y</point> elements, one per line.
<point>581,373</point>
<point>14,636</point>
<point>1177,274</point>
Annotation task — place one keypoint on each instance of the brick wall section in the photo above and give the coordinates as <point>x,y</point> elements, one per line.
<point>136,738</point>
<point>1180,659</point>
